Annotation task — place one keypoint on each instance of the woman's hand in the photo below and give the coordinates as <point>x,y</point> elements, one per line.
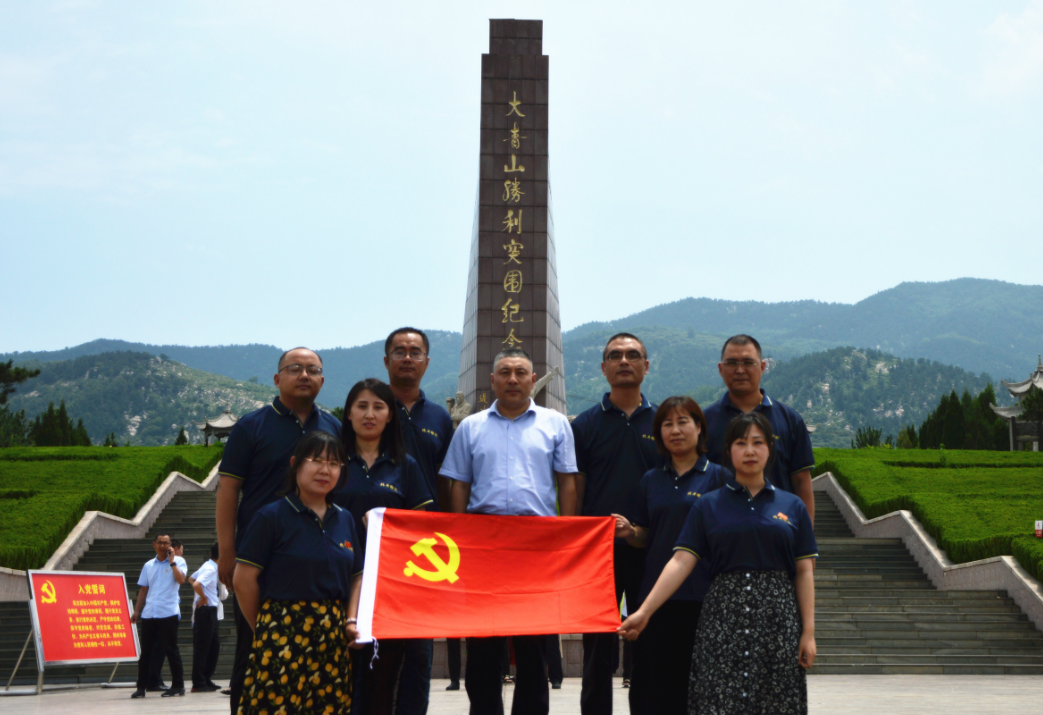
<point>807,650</point>
<point>624,529</point>
<point>353,636</point>
<point>633,625</point>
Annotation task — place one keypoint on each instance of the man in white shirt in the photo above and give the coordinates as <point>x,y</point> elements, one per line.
<point>157,611</point>
<point>206,612</point>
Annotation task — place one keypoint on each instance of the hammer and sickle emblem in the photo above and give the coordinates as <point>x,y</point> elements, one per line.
<point>443,571</point>
<point>49,595</point>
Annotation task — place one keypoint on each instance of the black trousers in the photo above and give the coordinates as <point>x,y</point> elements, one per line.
<point>601,650</point>
<point>206,645</point>
<point>163,630</point>
<point>452,653</point>
<point>155,674</point>
<point>484,680</point>
<point>244,638</point>
<point>377,687</point>
<point>663,660</point>
<point>552,654</point>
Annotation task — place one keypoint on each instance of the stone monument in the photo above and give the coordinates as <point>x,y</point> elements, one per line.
<point>512,286</point>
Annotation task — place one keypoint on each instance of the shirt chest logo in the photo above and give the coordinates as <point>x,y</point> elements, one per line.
<point>347,545</point>
<point>434,434</point>
<point>784,519</point>
<point>694,494</point>
<point>392,487</point>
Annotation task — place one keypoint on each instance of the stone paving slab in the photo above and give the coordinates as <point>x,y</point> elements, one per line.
<point>832,694</point>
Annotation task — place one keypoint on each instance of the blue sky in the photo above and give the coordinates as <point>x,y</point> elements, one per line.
<point>305,173</point>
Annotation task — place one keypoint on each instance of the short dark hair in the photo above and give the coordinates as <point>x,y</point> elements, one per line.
<point>312,445</point>
<point>618,336</point>
<point>679,403</point>
<point>742,339</point>
<point>214,551</point>
<point>299,347</point>
<point>175,544</point>
<point>739,427</point>
<point>156,538</point>
<point>400,331</point>
<point>512,353</point>
<point>391,441</point>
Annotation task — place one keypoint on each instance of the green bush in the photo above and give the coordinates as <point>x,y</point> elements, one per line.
<point>975,504</point>
<point>44,491</point>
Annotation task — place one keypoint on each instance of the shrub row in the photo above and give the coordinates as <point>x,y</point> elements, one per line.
<point>36,521</point>
<point>983,507</point>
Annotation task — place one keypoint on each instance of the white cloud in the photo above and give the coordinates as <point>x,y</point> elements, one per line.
<point>1013,54</point>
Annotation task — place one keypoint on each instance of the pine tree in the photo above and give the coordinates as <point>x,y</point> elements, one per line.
<point>82,439</point>
<point>182,438</point>
<point>1032,411</point>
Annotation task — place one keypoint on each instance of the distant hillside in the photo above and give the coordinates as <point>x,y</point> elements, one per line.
<point>142,398</point>
<point>979,325</point>
<point>840,390</point>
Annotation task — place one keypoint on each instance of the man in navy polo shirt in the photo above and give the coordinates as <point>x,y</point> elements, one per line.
<point>615,446</point>
<point>427,429</point>
<point>254,465</point>
<point>741,367</point>
<point>515,458</point>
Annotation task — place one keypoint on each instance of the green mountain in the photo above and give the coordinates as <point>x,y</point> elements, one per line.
<point>140,397</point>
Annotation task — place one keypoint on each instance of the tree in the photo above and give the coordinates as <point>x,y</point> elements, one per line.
<point>907,438</point>
<point>866,437</point>
<point>1032,410</point>
<point>54,428</point>
<point>11,376</point>
<point>110,440</point>
<point>182,438</point>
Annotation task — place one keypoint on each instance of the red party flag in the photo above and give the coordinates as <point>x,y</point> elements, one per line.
<point>433,575</point>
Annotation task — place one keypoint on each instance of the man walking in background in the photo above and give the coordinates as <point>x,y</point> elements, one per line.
<point>254,465</point>
<point>427,429</point>
<point>158,613</point>
<point>515,458</point>
<point>741,367</point>
<point>206,612</point>
<point>614,448</point>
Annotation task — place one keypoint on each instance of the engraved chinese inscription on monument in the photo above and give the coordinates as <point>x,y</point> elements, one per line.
<point>512,287</point>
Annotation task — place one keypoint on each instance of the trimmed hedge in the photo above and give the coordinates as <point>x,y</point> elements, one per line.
<point>975,504</point>
<point>44,491</point>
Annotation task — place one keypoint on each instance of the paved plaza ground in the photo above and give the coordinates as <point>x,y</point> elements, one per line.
<point>832,694</point>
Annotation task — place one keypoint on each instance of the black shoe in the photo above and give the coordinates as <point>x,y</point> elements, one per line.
<point>626,682</point>
<point>139,693</point>
<point>226,691</point>
<point>157,689</point>
<point>213,685</point>
<point>453,685</point>
<point>205,688</point>
<point>171,693</point>
<point>555,686</point>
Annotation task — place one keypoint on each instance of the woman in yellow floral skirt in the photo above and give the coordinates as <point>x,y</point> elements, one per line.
<point>297,577</point>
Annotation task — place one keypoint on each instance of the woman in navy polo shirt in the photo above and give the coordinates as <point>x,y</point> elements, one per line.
<point>297,578</point>
<point>756,633</point>
<point>379,473</point>
<point>665,495</point>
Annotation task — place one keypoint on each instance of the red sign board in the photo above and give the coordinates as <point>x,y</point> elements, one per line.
<point>81,617</point>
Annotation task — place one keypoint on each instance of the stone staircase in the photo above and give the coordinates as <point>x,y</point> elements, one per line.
<point>190,518</point>
<point>877,613</point>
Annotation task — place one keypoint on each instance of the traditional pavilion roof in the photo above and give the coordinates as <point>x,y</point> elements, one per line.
<point>1017,389</point>
<point>224,421</point>
<point>1007,413</point>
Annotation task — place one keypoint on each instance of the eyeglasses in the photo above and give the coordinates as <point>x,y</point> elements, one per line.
<point>630,355</point>
<point>748,363</point>
<point>400,354</point>
<point>320,463</point>
<point>296,369</point>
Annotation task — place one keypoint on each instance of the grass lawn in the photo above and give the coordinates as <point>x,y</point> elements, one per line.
<point>976,504</point>
<point>44,491</point>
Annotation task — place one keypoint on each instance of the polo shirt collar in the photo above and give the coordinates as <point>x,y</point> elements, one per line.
<point>420,401</point>
<point>495,409</point>
<point>765,401</point>
<point>383,457</point>
<point>294,501</point>
<point>701,465</point>
<point>284,411</point>
<point>607,406</point>
<point>733,485</point>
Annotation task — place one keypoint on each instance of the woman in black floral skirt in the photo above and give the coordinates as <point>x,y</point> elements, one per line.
<point>756,633</point>
<point>297,579</point>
